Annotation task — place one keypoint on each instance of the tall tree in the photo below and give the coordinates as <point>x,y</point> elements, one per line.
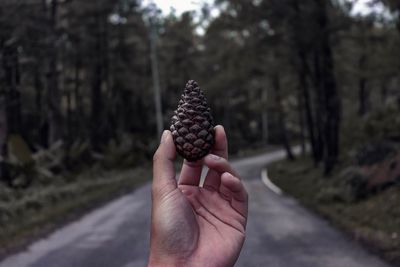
<point>97,79</point>
<point>11,68</point>
<point>55,117</point>
<point>276,85</point>
<point>365,39</point>
<point>3,135</point>
<point>330,98</point>
<point>300,44</point>
<point>394,6</point>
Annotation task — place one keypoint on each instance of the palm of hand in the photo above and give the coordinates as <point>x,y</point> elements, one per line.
<point>209,228</point>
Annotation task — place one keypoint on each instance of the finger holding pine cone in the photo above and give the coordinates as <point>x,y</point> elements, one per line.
<point>192,125</point>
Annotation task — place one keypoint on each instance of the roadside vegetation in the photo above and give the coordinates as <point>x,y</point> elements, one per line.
<point>374,220</point>
<point>27,214</point>
<point>362,194</point>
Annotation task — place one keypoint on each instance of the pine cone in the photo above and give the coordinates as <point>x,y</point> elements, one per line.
<point>192,125</point>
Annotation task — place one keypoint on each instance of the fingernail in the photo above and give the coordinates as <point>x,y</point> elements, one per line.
<point>230,176</point>
<point>219,126</point>
<point>164,136</point>
<point>215,157</point>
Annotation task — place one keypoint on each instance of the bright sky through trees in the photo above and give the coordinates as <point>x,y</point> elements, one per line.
<point>180,6</point>
<point>361,7</point>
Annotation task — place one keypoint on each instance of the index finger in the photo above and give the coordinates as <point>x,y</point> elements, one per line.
<point>163,166</point>
<point>191,172</point>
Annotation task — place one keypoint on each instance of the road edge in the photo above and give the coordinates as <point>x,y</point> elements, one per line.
<point>270,185</point>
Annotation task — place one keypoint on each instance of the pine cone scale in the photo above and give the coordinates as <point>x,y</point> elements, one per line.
<point>192,125</point>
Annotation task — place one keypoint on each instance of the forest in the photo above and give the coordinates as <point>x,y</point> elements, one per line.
<point>79,76</point>
<point>86,86</point>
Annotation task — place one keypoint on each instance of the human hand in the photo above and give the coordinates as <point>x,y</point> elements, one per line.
<point>193,225</point>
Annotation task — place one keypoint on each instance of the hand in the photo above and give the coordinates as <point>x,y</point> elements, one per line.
<point>193,225</point>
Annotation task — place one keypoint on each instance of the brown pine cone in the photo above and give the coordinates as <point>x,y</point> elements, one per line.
<point>192,125</point>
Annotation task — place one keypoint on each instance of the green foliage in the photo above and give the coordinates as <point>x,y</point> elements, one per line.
<point>373,221</point>
<point>373,153</point>
<point>33,212</point>
<point>121,154</point>
<point>384,123</point>
<point>19,152</point>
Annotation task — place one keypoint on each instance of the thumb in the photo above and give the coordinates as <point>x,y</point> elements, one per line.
<point>163,167</point>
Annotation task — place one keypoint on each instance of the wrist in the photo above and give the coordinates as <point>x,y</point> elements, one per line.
<point>165,261</point>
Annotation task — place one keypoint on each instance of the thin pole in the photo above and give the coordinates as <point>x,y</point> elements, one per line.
<point>156,77</point>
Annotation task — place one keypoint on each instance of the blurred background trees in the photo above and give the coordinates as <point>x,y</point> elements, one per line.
<point>78,73</point>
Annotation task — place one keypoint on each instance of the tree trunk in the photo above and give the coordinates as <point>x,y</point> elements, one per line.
<point>70,132</point>
<point>79,113</point>
<point>156,78</point>
<point>319,105</point>
<point>264,116</point>
<point>41,120</point>
<point>13,96</point>
<point>96,109</point>
<point>109,131</point>
<point>300,113</point>
<point>303,71</point>
<point>363,93</point>
<point>96,85</point>
<point>276,84</point>
<point>3,137</point>
<point>384,90</point>
<point>53,91</point>
<point>331,97</point>
<point>398,17</point>
<point>10,103</point>
<point>38,85</point>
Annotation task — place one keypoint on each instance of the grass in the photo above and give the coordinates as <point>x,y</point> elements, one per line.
<point>374,221</point>
<point>28,214</point>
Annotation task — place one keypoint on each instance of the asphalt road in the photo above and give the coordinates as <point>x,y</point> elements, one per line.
<point>280,233</point>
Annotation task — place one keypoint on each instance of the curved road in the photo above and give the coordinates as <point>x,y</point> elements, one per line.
<point>280,233</point>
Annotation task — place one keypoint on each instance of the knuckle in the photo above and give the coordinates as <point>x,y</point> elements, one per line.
<point>223,164</point>
<point>157,156</point>
<point>155,190</point>
<point>245,194</point>
<point>161,190</point>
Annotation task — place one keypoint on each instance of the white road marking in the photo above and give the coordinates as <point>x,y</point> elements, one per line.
<point>267,182</point>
